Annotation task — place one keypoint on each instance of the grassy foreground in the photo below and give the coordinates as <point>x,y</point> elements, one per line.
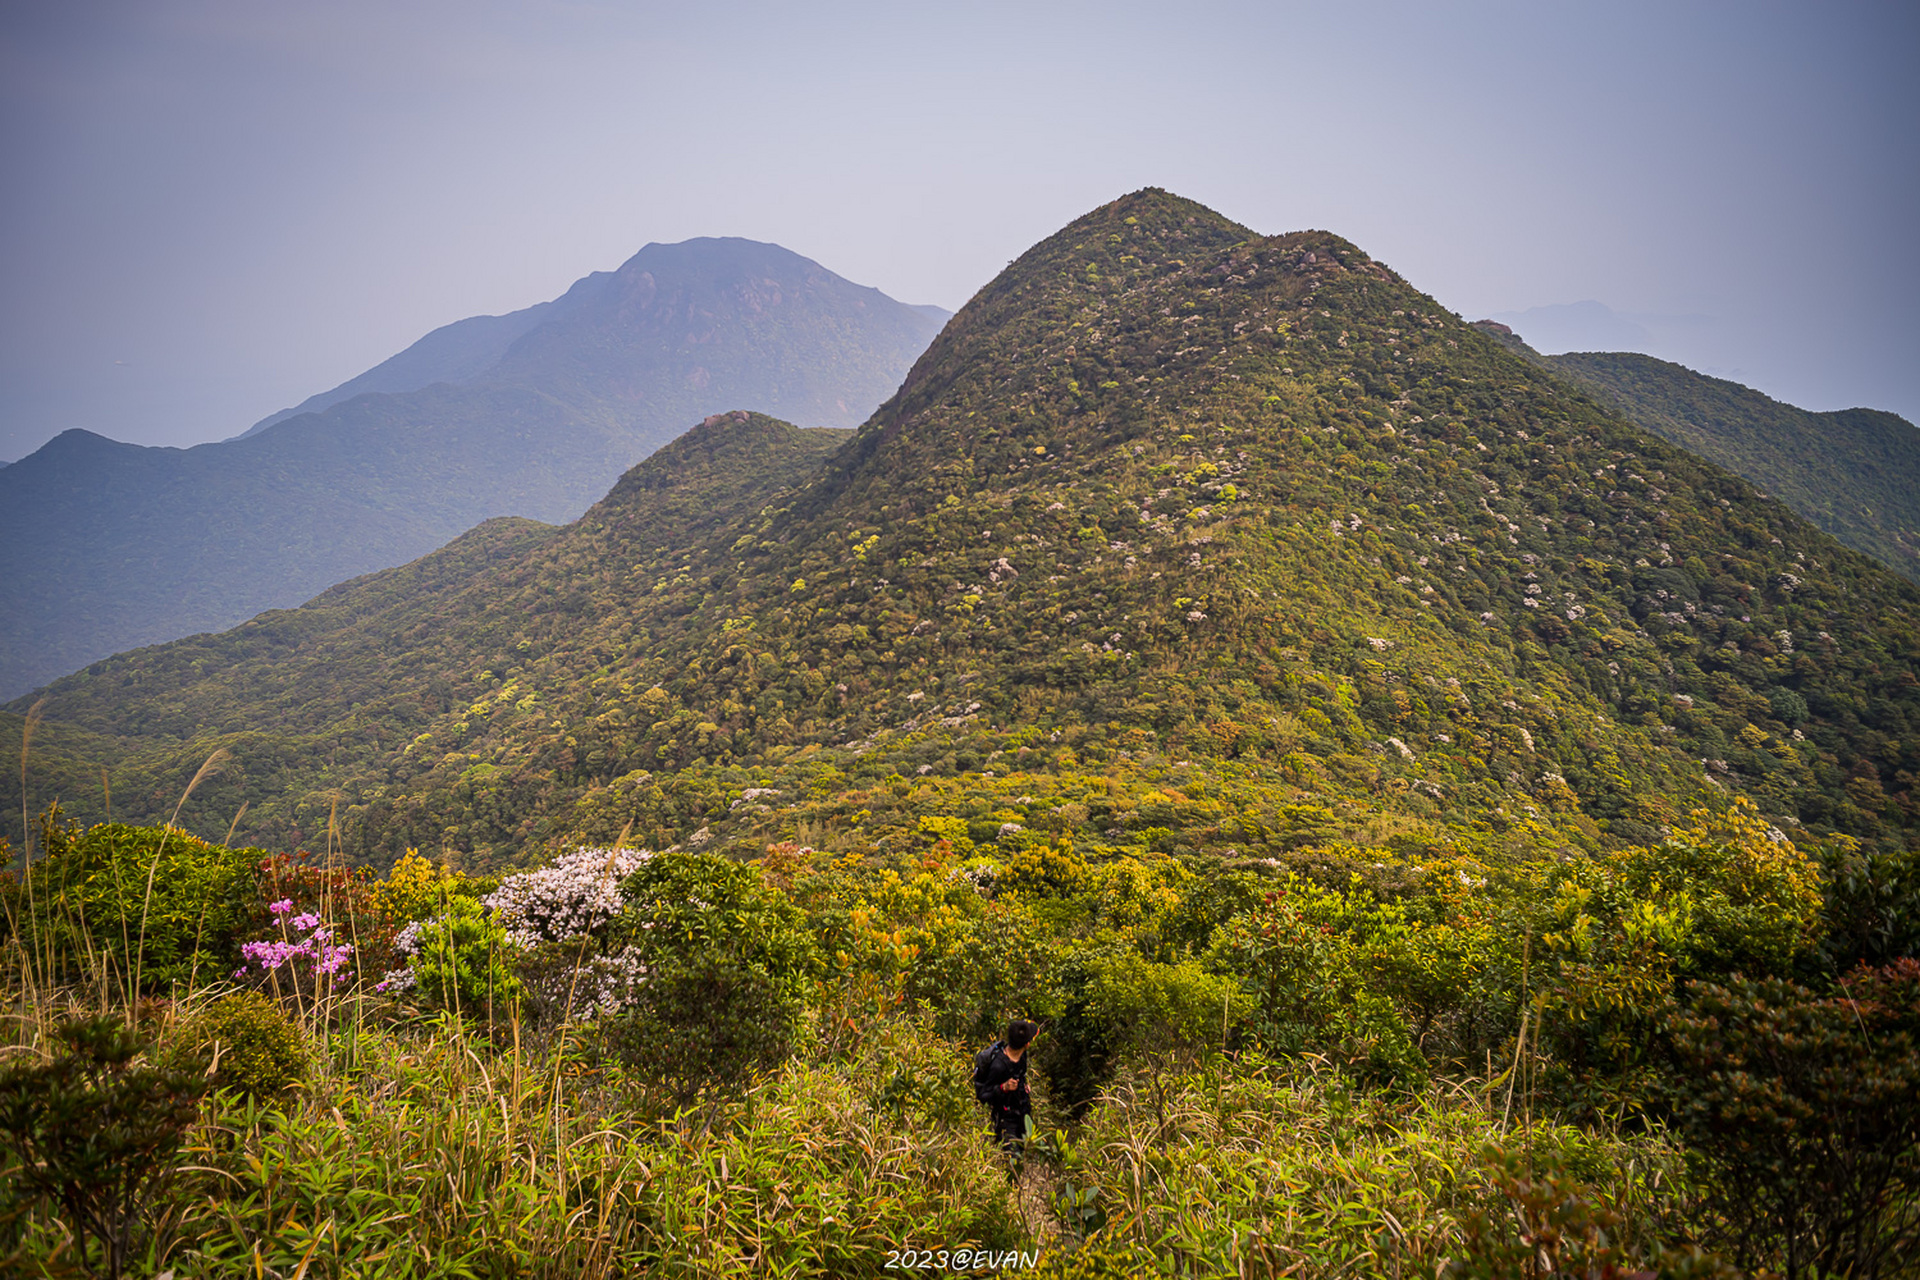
<point>220,1062</point>
<point>431,1151</point>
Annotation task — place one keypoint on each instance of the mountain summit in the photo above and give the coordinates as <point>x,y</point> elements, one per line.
<point>106,546</point>
<point>1178,537</point>
<point>780,330</point>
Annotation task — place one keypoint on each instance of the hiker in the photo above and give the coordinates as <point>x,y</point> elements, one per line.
<point>1000,1081</point>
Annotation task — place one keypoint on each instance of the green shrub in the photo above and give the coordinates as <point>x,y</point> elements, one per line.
<point>728,968</point>
<point>94,1135</point>
<point>151,901</point>
<point>1727,894</point>
<point>251,1043</point>
<point>462,961</point>
<point>1161,1016</point>
<point>977,966</point>
<point>916,1077</point>
<point>1805,1111</point>
<point>1547,1218</point>
<point>1872,909</point>
<point>1309,976</point>
<point>1077,1054</point>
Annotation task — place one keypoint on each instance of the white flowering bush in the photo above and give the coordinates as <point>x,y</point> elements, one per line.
<point>558,915</point>
<point>552,920</point>
<point>576,894</point>
<point>405,943</point>
<point>565,983</point>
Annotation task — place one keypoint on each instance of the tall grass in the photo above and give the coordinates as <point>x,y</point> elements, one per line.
<point>32,965</point>
<point>209,767</point>
<point>439,1156</point>
<point>478,1146</point>
<point>472,1147</point>
<point>1284,1169</point>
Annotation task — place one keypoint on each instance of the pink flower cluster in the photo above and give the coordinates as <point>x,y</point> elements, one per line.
<point>326,957</point>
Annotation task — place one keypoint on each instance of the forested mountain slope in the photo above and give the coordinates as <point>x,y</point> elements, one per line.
<point>105,546</point>
<point>386,644</point>
<point>1179,537</point>
<point>1854,473</point>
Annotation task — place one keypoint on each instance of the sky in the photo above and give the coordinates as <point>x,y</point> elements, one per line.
<point>212,209</point>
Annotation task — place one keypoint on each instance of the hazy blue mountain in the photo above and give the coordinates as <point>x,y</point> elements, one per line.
<point>107,546</point>
<point>456,352</point>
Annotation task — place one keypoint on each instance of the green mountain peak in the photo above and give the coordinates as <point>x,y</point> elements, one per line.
<point>1167,505</point>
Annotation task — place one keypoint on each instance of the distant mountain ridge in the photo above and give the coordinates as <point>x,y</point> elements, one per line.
<point>1345,569</point>
<point>457,352</point>
<point>105,547</point>
<point>1853,472</point>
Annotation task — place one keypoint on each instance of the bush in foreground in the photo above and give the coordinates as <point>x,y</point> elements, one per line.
<point>93,1132</point>
<point>248,1042</point>
<point>1804,1110</point>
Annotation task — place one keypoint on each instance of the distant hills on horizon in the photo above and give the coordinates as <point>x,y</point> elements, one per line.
<point>105,546</point>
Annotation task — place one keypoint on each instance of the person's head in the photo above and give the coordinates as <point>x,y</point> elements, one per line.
<point>1019,1033</point>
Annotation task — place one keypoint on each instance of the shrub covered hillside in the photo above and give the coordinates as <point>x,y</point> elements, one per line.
<point>1441,829</point>
<point>1166,492</point>
<point>1854,473</point>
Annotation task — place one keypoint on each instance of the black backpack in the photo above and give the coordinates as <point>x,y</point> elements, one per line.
<point>981,1061</point>
<point>985,1057</point>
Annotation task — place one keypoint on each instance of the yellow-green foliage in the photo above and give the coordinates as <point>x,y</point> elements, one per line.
<point>1105,1257</point>
<point>1158,1010</point>
<point>250,1042</point>
<point>440,1159</point>
<point>418,889</point>
<point>1741,893</point>
<point>1136,892</point>
<point>1727,893</point>
<point>1262,1170</point>
<point>1045,870</point>
<point>951,830</point>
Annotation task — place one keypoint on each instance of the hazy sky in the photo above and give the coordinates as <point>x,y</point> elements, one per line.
<point>214,208</point>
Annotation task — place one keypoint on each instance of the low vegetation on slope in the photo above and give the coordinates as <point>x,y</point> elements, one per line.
<point>679,1064</point>
<point>1854,473</point>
